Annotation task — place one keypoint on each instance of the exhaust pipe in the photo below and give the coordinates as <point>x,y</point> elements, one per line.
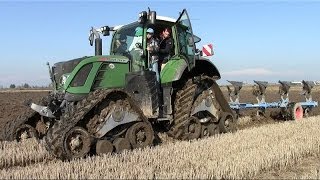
<point>98,46</point>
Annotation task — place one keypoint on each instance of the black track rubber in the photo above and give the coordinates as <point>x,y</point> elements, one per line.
<point>182,108</point>
<point>55,136</point>
<point>192,93</point>
<point>54,140</point>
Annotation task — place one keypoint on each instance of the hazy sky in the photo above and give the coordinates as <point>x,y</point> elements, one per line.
<point>253,40</point>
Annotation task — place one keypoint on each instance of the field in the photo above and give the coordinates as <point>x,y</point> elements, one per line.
<point>259,149</point>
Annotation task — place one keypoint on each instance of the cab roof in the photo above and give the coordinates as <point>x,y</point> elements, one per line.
<point>161,18</point>
<point>164,18</point>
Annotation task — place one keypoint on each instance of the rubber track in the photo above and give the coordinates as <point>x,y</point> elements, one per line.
<point>182,108</point>
<point>55,137</point>
<point>185,103</point>
<point>95,122</point>
<point>8,131</point>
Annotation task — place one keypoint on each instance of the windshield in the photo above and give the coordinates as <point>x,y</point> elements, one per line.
<point>126,39</point>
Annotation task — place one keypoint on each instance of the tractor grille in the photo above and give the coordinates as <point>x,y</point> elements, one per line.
<point>100,76</point>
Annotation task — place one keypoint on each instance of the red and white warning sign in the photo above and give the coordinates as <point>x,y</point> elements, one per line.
<point>207,50</point>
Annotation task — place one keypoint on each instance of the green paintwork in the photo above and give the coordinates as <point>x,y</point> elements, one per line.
<point>113,75</point>
<point>173,70</point>
<point>88,83</point>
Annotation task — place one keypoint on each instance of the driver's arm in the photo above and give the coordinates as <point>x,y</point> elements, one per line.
<point>168,47</point>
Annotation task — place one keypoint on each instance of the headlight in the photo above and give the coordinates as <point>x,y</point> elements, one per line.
<point>64,78</point>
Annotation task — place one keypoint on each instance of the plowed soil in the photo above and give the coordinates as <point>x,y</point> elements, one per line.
<point>12,102</point>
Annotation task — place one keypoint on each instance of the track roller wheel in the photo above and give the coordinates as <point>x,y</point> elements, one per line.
<point>192,130</point>
<point>121,144</point>
<point>140,135</point>
<point>103,147</point>
<point>227,123</point>
<point>209,129</point>
<point>77,143</point>
<point>296,112</point>
<point>25,131</point>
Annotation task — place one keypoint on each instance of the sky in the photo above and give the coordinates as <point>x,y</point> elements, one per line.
<point>253,40</point>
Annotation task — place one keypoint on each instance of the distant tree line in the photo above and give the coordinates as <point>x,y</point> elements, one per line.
<point>26,86</point>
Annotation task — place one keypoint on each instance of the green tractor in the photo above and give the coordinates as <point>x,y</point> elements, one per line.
<point>108,103</point>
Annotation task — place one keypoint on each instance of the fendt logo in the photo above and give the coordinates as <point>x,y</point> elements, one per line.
<point>118,60</point>
<point>103,59</point>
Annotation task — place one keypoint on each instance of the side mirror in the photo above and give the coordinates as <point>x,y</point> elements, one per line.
<point>91,38</point>
<point>93,33</point>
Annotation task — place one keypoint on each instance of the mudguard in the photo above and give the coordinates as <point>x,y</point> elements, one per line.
<point>205,66</point>
<point>114,120</point>
<point>175,68</point>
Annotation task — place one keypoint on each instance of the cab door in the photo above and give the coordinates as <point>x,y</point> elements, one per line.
<point>186,45</point>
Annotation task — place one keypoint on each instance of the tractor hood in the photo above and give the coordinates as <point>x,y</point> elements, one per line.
<point>107,71</point>
<point>73,72</point>
<point>62,69</point>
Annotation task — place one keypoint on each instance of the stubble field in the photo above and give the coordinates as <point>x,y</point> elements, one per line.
<point>259,149</point>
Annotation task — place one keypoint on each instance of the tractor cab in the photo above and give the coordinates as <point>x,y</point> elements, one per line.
<point>130,41</point>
